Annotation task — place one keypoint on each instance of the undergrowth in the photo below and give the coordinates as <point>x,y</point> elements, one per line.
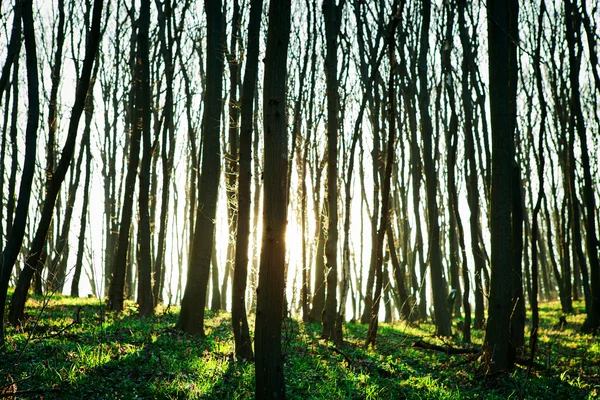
<point>75,349</point>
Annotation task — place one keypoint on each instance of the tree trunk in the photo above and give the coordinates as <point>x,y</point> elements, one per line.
<point>498,352</point>
<point>22,10</point>
<point>270,383</point>
<point>387,177</point>
<point>231,168</point>
<point>318,298</point>
<point>332,14</point>
<point>168,146</point>
<point>191,319</point>
<point>84,214</point>
<point>143,120</point>
<point>243,344</point>
<point>442,318</point>
<point>517,317</point>
<point>577,122</point>
<point>117,289</point>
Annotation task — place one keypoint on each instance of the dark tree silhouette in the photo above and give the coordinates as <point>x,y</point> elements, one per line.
<point>387,177</point>
<point>22,10</point>
<point>498,351</point>
<point>191,319</point>
<point>143,119</point>
<point>270,383</point>
<point>442,317</point>
<point>243,344</point>
<point>116,291</point>
<point>332,15</point>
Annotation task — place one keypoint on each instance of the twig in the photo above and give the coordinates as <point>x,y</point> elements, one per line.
<point>75,322</point>
<point>338,351</point>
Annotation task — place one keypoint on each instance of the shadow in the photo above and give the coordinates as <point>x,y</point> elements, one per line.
<point>76,350</point>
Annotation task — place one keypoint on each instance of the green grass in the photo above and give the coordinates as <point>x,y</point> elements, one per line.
<point>76,350</point>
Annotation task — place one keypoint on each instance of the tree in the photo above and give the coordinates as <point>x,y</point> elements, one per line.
<point>385,197</point>
<point>241,333</point>
<point>270,383</point>
<point>119,268</point>
<point>191,318</point>
<point>167,41</point>
<point>22,10</point>
<point>498,351</point>
<point>143,120</point>
<point>332,15</point>
<point>442,317</point>
<point>577,123</point>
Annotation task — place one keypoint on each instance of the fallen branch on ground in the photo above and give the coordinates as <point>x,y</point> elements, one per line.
<point>336,350</point>
<point>445,349</point>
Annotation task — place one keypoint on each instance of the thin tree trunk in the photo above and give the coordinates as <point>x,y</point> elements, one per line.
<point>243,344</point>
<point>442,318</point>
<point>387,177</point>
<point>15,238</point>
<point>117,289</point>
<point>191,318</point>
<point>577,122</point>
<point>85,142</point>
<point>332,14</point>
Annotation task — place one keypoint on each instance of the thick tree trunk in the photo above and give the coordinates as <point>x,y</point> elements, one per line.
<point>498,352</point>
<point>270,383</point>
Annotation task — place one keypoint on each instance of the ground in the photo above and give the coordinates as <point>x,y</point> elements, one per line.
<point>74,349</point>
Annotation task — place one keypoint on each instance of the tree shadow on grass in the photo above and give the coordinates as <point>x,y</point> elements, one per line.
<point>107,355</point>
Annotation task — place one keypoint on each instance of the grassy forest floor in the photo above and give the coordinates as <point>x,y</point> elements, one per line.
<point>76,350</point>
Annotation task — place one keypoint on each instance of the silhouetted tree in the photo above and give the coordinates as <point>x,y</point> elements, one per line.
<point>241,333</point>
<point>191,319</point>
<point>498,351</point>
<point>270,383</point>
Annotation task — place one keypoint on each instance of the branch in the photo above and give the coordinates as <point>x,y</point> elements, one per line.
<point>445,349</point>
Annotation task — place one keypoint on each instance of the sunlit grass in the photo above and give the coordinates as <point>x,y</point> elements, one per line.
<point>77,350</point>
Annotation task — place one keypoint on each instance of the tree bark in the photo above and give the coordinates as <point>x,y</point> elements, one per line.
<point>332,14</point>
<point>577,122</point>
<point>270,383</point>
<point>498,352</point>
<point>442,318</point>
<point>243,344</point>
<point>117,282</point>
<point>191,319</point>
<point>143,120</point>
<point>23,10</point>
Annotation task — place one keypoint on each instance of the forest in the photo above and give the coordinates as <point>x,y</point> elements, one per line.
<point>299,199</point>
